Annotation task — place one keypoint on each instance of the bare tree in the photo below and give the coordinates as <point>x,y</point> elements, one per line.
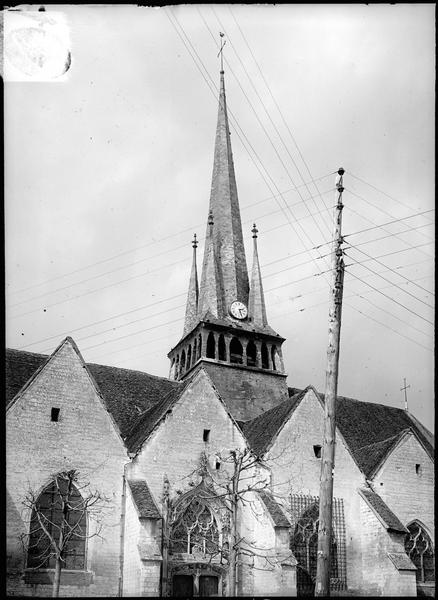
<point>58,522</point>
<point>235,483</point>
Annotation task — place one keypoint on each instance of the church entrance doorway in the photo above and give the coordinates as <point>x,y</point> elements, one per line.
<point>208,585</point>
<point>191,586</point>
<point>183,586</point>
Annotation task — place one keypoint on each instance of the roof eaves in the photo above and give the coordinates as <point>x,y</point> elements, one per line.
<point>144,501</point>
<point>274,510</point>
<point>166,408</point>
<point>395,524</point>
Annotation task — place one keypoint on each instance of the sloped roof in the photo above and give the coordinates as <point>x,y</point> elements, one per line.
<point>147,422</point>
<point>19,368</point>
<point>370,430</point>
<point>147,509</point>
<point>126,393</point>
<point>261,431</point>
<point>384,513</point>
<point>274,509</point>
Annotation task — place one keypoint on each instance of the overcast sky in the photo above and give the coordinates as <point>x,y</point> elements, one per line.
<point>108,174</point>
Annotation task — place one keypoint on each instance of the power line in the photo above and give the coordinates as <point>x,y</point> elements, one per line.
<point>394,221</point>
<point>388,267</point>
<point>389,298</point>
<point>392,315</point>
<point>272,96</point>
<point>376,206</point>
<point>388,327</point>
<point>266,111</point>
<point>245,207</point>
<point>394,284</point>
<point>381,191</point>
<point>238,126</point>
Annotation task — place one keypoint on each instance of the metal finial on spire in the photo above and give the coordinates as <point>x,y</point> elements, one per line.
<point>405,388</point>
<point>221,51</point>
<point>194,241</point>
<point>254,231</point>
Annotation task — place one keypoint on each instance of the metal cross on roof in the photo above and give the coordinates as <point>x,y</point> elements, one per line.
<point>221,50</point>
<point>406,394</point>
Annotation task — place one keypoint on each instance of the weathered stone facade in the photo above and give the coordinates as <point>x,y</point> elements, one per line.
<point>165,454</point>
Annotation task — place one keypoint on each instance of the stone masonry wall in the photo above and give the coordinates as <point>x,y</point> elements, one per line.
<point>382,577</point>
<point>175,450</point>
<point>84,439</point>
<point>296,470</point>
<point>410,494</point>
<point>247,392</point>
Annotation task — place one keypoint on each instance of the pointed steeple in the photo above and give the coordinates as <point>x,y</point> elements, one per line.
<point>224,205</point>
<point>210,295</point>
<point>193,293</point>
<point>257,307</point>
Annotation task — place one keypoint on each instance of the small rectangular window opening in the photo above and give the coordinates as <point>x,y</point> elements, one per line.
<point>206,435</point>
<point>317,450</point>
<point>218,464</point>
<point>54,415</point>
<point>418,469</point>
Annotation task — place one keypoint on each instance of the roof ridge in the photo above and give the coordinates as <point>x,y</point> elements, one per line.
<point>387,439</point>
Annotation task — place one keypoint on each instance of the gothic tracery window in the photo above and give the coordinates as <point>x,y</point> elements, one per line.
<point>195,530</point>
<point>304,543</point>
<point>418,546</point>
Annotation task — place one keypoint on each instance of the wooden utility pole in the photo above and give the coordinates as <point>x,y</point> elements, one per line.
<point>322,587</point>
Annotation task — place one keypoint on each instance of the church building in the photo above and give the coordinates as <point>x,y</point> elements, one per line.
<point>206,483</point>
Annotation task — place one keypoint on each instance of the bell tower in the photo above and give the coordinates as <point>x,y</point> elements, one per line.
<point>226,327</point>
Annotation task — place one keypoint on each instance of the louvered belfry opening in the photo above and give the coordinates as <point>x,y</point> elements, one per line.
<point>304,543</point>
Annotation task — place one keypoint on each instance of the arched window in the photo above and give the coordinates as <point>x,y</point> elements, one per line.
<point>418,547</point>
<point>304,545</point>
<point>195,355</point>
<point>274,357</point>
<point>50,513</point>
<point>236,351</point>
<point>221,348</point>
<point>211,346</point>
<point>177,367</point>
<point>195,530</point>
<point>251,354</point>
<point>189,358</point>
<point>183,362</point>
<point>265,357</point>
<point>172,369</point>
<point>199,345</point>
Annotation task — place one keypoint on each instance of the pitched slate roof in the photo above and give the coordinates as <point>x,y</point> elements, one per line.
<point>260,431</point>
<point>274,509</point>
<point>370,430</point>
<point>383,512</point>
<point>147,509</point>
<point>126,393</point>
<point>147,422</point>
<point>19,368</point>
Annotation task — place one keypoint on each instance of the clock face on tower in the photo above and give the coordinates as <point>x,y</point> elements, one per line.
<point>238,310</point>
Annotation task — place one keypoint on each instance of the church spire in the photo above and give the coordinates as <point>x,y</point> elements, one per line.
<point>257,308</point>
<point>227,235</point>
<point>210,296</point>
<point>193,293</point>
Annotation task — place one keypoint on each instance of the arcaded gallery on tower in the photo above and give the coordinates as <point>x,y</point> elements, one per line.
<point>208,480</point>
